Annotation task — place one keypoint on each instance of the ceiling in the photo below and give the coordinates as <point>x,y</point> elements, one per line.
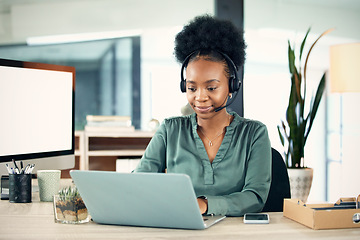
<point>345,4</point>
<point>88,51</point>
<point>5,5</point>
<point>94,50</point>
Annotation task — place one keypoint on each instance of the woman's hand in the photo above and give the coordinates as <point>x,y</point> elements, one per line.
<point>203,205</point>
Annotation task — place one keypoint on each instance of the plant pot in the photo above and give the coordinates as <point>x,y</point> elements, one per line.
<point>72,210</point>
<point>300,182</point>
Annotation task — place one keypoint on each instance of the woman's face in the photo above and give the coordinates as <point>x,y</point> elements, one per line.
<point>207,86</point>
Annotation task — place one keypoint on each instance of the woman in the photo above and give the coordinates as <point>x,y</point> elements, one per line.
<point>228,158</point>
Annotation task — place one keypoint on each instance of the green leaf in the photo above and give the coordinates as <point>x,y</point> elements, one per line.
<point>291,56</point>
<point>281,136</point>
<point>303,43</point>
<point>315,105</point>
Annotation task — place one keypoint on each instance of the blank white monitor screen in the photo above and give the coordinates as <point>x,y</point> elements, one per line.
<point>36,107</point>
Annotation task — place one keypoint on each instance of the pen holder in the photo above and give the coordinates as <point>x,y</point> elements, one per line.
<point>20,188</point>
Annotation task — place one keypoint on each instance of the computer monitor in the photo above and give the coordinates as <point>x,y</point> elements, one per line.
<point>36,115</point>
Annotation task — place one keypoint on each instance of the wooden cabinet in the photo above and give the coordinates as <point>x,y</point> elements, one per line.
<point>105,145</point>
<point>79,153</point>
<point>100,150</point>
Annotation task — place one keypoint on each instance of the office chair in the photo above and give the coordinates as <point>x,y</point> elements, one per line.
<point>280,185</point>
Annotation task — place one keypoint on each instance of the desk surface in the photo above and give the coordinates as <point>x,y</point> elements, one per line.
<point>36,221</point>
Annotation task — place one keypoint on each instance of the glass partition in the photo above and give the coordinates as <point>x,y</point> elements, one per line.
<point>105,79</point>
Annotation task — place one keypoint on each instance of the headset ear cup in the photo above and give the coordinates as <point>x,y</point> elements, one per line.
<point>183,85</point>
<point>232,84</point>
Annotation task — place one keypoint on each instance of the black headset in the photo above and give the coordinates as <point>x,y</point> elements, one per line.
<point>234,81</point>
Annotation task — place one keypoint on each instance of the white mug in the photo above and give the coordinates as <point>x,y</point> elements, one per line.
<point>49,184</point>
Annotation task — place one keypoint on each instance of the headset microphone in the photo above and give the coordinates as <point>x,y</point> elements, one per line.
<point>228,104</point>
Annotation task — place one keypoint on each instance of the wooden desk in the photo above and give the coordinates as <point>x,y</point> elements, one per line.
<point>36,221</point>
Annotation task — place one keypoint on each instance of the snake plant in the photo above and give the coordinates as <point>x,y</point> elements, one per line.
<point>294,133</point>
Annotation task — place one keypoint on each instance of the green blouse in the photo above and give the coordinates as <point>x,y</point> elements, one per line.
<point>237,181</point>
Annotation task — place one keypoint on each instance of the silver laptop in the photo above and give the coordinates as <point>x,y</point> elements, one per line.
<point>141,199</point>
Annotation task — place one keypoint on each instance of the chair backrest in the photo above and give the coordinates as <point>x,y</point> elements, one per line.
<point>280,185</point>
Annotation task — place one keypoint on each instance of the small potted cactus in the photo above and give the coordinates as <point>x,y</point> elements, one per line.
<point>69,206</point>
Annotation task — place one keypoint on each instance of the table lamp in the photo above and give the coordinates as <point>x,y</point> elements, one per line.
<point>344,68</point>
<point>344,78</point>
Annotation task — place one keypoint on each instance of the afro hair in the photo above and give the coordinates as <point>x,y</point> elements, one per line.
<point>209,33</point>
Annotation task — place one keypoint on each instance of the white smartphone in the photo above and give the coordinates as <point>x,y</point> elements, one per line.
<point>256,218</point>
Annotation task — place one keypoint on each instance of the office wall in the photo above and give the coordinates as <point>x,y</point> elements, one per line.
<point>295,15</point>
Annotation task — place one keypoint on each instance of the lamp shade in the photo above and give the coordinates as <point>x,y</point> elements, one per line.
<point>345,68</point>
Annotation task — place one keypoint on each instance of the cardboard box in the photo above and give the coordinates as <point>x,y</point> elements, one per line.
<point>325,218</point>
